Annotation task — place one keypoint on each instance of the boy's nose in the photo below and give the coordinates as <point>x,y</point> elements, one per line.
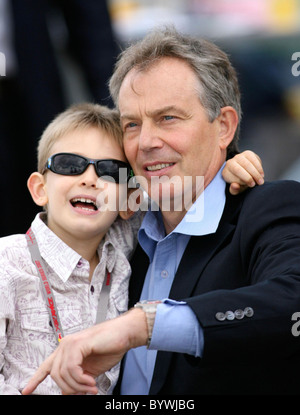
<point>89,177</point>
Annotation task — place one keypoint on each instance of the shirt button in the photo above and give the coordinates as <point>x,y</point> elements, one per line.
<point>79,264</point>
<point>164,274</point>
<point>92,289</point>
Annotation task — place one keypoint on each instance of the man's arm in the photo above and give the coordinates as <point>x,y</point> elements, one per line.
<point>242,171</point>
<point>268,239</point>
<point>83,356</point>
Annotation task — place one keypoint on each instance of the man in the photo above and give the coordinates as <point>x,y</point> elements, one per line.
<point>229,273</point>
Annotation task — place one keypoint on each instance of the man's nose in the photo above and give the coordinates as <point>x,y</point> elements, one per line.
<point>149,137</point>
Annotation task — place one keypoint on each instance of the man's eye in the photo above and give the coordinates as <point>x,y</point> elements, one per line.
<point>169,117</point>
<point>129,125</point>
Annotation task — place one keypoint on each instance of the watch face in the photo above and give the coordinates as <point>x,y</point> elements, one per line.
<point>148,305</point>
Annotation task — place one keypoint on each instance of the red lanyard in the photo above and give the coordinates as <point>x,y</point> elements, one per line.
<point>47,290</point>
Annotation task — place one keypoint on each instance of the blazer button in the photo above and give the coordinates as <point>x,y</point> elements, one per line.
<point>239,314</point>
<point>220,316</point>
<point>229,315</point>
<point>249,311</point>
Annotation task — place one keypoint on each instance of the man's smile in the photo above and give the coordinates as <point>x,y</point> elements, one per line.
<point>159,166</point>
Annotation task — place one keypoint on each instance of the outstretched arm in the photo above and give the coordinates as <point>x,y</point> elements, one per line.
<point>83,356</point>
<point>242,171</point>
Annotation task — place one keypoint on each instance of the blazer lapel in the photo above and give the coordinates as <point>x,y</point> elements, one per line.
<point>197,254</point>
<point>139,264</point>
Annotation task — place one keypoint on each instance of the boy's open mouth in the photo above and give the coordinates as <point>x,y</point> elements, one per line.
<point>83,203</point>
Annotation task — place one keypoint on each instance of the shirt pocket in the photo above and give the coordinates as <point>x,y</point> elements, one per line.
<point>36,323</point>
<point>37,340</point>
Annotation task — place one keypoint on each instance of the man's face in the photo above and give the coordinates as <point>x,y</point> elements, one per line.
<point>166,129</point>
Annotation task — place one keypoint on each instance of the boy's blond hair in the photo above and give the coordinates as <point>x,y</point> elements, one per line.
<point>78,116</point>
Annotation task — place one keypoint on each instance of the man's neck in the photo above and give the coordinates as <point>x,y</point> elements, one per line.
<point>172,219</point>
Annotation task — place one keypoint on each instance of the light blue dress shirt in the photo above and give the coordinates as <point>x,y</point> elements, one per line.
<point>172,317</point>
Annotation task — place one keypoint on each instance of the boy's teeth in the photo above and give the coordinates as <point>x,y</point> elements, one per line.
<point>83,200</point>
<point>159,166</point>
<point>86,201</point>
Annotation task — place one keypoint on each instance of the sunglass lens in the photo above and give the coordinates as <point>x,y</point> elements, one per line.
<point>68,164</point>
<point>113,170</point>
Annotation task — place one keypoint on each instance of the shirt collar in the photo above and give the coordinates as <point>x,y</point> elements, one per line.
<point>201,219</point>
<point>205,214</point>
<point>107,253</point>
<point>61,258</point>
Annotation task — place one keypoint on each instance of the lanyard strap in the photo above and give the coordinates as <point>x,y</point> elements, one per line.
<point>46,286</point>
<point>104,295</point>
<point>47,290</point>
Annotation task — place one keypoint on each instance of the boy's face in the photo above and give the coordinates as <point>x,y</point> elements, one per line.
<point>68,214</point>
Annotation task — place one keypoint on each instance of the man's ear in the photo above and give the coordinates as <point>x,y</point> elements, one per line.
<point>228,120</point>
<point>37,188</point>
<point>134,200</point>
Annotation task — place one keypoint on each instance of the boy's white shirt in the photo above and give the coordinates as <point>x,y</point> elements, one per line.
<point>26,337</point>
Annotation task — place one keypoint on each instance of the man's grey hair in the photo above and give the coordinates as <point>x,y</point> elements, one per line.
<point>218,84</point>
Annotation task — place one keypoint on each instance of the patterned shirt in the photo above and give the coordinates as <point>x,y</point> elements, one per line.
<point>26,335</point>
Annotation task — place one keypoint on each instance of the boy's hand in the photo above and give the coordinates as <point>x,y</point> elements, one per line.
<point>242,171</point>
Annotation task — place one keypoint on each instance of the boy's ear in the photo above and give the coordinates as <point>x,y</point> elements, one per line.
<point>136,195</point>
<point>37,188</point>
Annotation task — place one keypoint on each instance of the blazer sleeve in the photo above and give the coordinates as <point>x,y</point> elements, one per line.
<point>266,245</point>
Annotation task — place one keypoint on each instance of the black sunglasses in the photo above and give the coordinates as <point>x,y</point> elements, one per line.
<point>70,164</point>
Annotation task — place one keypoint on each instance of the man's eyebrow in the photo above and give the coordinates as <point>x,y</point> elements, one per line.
<point>168,110</point>
<point>127,117</point>
<point>156,113</point>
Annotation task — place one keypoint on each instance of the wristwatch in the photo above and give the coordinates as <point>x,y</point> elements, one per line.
<point>149,307</point>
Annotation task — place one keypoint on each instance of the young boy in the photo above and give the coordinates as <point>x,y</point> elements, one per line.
<point>83,244</point>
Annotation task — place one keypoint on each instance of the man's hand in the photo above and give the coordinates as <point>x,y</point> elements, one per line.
<point>83,356</point>
<point>242,171</point>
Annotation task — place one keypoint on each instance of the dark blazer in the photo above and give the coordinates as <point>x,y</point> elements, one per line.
<point>250,268</point>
